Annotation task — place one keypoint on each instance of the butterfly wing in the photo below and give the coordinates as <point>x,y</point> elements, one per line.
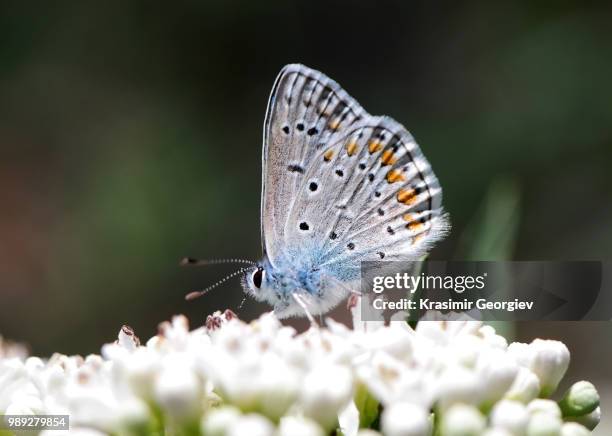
<point>306,111</point>
<point>376,198</point>
<point>344,185</point>
<point>340,184</point>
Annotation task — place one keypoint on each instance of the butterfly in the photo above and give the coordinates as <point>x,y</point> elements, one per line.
<point>339,186</point>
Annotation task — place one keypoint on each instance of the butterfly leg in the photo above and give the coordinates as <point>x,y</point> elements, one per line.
<point>302,304</point>
<point>353,300</point>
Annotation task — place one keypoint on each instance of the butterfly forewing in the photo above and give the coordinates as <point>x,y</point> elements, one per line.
<point>306,111</point>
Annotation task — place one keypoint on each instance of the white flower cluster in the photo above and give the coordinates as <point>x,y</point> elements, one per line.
<point>444,378</point>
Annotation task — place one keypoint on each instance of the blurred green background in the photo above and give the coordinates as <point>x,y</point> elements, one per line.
<point>130,136</point>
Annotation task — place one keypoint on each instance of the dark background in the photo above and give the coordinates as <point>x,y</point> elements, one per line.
<point>130,136</point>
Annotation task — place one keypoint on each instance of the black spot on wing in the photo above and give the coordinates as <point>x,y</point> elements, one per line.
<point>295,169</point>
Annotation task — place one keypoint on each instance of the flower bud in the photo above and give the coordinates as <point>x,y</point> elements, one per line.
<point>548,407</point>
<point>252,425</point>
<point>133,417</point>
<point>544,424</point>
<point>496,373</point>
<point>497,432</point>
<point>490,336</point>
<point>127,339</point>
<point>140,371</point>
<point>590,420</point>
<point>298,426</point>
<point>521,353</point>
<point>368,432</point>
<point>580,399</point>
<point>510,415</point>
<point>22,405</point>
<point>458,385</point>
<point>463,420</point>
<point>574,429</point>
<point>405,419</point>
<point>178,390</point>
<point>526,386</point>
<point>218,421</point>
<point>549,362</point>
<point>34,364</point>
<point>396,340</point>
<point>326,390</point>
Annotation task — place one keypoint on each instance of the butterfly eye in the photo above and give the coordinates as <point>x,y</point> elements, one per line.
<point>257,277</point>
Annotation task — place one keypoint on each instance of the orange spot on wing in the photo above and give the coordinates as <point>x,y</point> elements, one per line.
<point>418,237</point>
<point>387,158</point>
<point>334,124</point>
<point>327,156</point>
<point>406,196</point>
<point>351,147</point>
<point>395,176</point>
<point>375,146</point>
<point>414,226</point>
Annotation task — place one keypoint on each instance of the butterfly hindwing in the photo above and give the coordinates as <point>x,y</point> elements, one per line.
<point>376,198</point>
<point>398,202</point>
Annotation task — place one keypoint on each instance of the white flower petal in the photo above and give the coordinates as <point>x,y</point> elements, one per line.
<point>405,419</point>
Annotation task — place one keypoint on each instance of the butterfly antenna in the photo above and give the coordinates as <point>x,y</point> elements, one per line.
<point>242,303</point>
<point>190,261</point>
<point>196,294</point>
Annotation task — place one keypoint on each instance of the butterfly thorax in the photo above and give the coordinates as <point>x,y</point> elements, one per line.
<point>297,277</point>
<point>292,275</point>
